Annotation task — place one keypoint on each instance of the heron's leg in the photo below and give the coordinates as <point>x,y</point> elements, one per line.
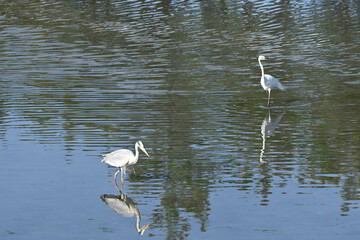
<point>269,98</point>
<point>122,175</point>
<point>118,187</point>
<point>114,179</point>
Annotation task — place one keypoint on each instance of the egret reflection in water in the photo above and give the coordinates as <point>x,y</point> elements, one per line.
<point>268,127</point>
<point>125,206</point>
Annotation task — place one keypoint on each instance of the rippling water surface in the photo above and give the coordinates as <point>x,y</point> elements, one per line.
<point>79,79</point>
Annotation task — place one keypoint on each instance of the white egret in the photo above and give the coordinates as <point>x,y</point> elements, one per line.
<point>268,82</point>
<point>125,206</point>
<point>122,158</point>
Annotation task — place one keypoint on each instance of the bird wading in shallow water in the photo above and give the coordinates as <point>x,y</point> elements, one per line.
<point>267,81</point>
<point>122,158</point>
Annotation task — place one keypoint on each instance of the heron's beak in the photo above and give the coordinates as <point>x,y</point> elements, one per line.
<point>143,149</point>
<point>143,229</point>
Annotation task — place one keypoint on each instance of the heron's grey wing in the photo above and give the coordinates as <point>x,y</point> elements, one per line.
<point>119,206</point>
<point>118,158</point>
<point>273,82</point>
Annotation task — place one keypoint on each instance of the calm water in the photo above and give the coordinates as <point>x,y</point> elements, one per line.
<point>82,78</point>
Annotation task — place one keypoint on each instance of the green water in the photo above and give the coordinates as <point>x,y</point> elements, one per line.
<point>79,79</point>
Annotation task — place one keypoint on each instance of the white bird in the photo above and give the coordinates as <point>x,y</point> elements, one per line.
<point>125,206</point>
<point>268,82</point>
<point>122,158</point>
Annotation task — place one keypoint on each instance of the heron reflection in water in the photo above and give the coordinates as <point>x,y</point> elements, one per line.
<point>122,158</point>
<point>125,206</point>
<point>268,127</point>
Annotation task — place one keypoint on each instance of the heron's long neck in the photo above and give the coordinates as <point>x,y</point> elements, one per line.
<point>136,153</point>
<point>138,228</point>
<point>262,69</point>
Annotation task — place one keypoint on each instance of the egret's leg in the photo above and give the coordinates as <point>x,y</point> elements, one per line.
<point>269,98</point>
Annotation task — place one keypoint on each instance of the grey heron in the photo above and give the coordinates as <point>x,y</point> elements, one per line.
<point>268,82</point>
<point>122,158</point>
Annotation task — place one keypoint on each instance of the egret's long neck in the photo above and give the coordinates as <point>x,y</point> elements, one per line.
<point>263,149</point>
<point>262,69</point>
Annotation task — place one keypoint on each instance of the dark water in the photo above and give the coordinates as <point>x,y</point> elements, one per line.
<point>82,78</point>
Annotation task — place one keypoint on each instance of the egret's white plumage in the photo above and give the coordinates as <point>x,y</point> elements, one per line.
<point>267,81</point>
<point>123,158</point>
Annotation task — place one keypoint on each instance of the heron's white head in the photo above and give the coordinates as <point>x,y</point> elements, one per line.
<point>261,57</point>
<point>141,146</point>
<point>142,230</point>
